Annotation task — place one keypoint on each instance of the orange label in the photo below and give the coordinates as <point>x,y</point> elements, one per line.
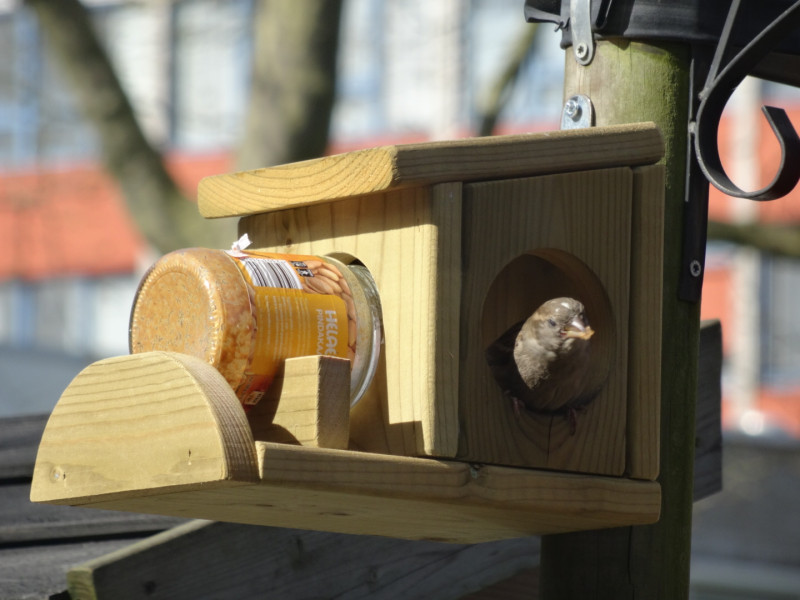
<point>295,316</point>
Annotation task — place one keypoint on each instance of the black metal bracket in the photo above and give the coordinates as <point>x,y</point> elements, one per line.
<point>695,209</point>
<point>751,41</point>
<point>704,163</point>
<point>720,84</point>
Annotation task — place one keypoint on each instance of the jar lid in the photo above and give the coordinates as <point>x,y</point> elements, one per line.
<point>195,301</point>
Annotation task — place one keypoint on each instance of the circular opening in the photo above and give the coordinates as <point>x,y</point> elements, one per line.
<point>537,276</point>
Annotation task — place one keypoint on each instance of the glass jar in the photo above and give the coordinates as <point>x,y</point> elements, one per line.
<point>245,312</point>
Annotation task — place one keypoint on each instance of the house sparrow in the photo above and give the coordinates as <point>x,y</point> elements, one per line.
<point>542,363</point>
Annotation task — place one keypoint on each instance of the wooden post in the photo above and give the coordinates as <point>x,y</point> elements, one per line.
<point>630,82</point>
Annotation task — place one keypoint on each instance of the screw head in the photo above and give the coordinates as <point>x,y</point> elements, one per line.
<point>573,110</point>
<point>581,50</point>
<point>695,268</point>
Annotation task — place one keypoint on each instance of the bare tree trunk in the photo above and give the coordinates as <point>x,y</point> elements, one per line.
<point>161,211</point>
<point>294,78</point>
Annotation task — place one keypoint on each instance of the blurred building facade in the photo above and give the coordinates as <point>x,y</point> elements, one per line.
<point>71,257</point>
<point>752,292</point>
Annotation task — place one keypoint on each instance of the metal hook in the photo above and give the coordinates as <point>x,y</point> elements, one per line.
<point>718,89</point>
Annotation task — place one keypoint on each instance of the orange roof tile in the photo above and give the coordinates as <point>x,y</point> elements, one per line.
<point>62,222</point>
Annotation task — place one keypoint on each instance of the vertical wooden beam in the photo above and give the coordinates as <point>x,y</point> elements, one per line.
<point>708,438</point>
<point>630,82</point>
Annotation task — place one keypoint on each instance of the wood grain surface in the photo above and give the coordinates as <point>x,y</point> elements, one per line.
<point>225,560</point>
<point>381,169</point>
<point>644,333</point>
<point>577,228</point>
<point>150,420</point>
<point>410,241</point>
<point>409,498</point>
<point>308,403</point>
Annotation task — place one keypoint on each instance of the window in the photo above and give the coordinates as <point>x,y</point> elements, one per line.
<point>780,349</point>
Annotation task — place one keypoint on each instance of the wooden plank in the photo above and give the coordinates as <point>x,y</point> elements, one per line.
<point>526,241</point>
<point>390,167</point>
<point>176,418</point>
<point>644,367</point>
<point>708,444</point>
<point>221,560</point>
<point>410,241</point>
<point>308,404</point>
<point>39,572</point>
<point>410,498</point>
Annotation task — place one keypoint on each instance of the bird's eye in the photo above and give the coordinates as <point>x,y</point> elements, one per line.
<point>551,322</point>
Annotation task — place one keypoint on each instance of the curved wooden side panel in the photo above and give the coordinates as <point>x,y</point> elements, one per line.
<point>132,424</point>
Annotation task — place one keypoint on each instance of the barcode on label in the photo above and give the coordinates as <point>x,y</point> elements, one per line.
<point>268,272</point>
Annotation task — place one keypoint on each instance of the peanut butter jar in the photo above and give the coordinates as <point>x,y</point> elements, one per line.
<point>245,312</point>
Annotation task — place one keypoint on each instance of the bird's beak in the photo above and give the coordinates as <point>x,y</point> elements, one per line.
<point>577,329</point>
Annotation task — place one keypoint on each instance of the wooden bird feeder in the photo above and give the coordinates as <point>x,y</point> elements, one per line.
<point>463,239</point>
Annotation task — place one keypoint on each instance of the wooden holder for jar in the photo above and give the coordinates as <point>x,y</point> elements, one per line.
<point>463,239</point>
<point>163,433</point>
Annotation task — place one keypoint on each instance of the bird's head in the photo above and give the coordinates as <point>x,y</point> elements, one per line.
<point>559,322</point>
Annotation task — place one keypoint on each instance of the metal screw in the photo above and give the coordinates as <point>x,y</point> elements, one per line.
<point>474,471</point>
<point>581,51</point>
<point>695,268</point>
<point>572,109</point>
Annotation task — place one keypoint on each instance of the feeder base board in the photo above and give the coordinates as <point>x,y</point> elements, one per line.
<point>162,433</point>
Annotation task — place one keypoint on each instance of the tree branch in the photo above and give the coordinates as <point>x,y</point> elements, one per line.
<point>161,211</point>
<point>781,240</point>
<point>498,93</point>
